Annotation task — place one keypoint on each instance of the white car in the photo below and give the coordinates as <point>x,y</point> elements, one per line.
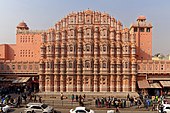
<point>38,108</point>
<point>4,108</point>
<point>81,110</point>
<point>166,108</point>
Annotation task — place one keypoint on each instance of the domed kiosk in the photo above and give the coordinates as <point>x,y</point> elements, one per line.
<point>22,26</point>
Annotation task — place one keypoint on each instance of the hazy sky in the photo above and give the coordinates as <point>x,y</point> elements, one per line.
<point>42,14</point>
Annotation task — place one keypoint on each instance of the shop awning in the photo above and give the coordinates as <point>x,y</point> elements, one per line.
<point>160,79</point>
<point>21,80</point>
<point>155,85</point>
<point>143,84</point>
<point>4,79</point>
<point>165,83</point>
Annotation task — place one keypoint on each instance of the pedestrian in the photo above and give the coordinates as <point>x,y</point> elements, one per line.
<point>35,98</point>
<point>24,97</point>
<point>96,102</point>
<point>77,98</point>
<point>40,100</point>
<point>84,96</point>
<point>161,108</point>
<point>116,103</point>
<point>18,101</point>
<point>30,98</point>
<point>128,96</point>
<point>117,110</point>
<point>138,103</point>
<point>153,107</point>
<point>72,97</point>
<point>147,104</point>
<point>80,97</point>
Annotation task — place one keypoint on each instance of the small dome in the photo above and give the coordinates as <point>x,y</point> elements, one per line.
<point>88,11</point>
<point>141,17</point>
<point>22,25</point>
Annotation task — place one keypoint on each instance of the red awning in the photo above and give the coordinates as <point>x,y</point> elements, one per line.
<point>143,84</point>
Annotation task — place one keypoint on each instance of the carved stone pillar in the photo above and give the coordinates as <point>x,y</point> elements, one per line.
<point>103,83</point>
<point>79,83</point>
<point>87,83</point>
<point>42,83</point>
<point>125,87</point>
<point>84,83</point>
<point>118,84</point>
<point>69,82</point>
<point>56,83</point>
<point>47,83</point>
<point>96,83</point>
<point>62,83</point>
<point>51,83</point>
<point>112,83</point>
<point>133,83</point>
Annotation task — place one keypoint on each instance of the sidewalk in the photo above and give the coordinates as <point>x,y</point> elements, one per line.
<point>122,95</point>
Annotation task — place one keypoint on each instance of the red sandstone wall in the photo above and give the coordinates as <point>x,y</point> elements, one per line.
<point>145,51</point>
<point>2,51</point>
<point>7,51</point>
<point>11,52</point>
<point>28,47</point>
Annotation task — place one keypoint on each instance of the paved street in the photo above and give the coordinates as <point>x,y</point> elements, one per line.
<point>19,110</point>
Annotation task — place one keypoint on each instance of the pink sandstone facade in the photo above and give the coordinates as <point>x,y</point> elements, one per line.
<point>86,51</point>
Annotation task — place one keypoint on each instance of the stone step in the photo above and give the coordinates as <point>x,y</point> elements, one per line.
<point>89,95</point>
<point>67,102</point>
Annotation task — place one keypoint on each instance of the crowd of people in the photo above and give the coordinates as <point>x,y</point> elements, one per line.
<point>13,89</point>
<point>75,98</point>
<point>15,96</point>
<point>25,95</point>
<point>110,102</point>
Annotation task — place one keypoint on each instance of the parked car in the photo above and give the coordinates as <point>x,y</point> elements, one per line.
<point>81,110</point>
<point>38,108</point>
<point>110,111</point>
<point>4,108</point>
<point>166,108</point>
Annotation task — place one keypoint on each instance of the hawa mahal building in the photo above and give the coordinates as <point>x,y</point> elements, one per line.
<point>86,51</point>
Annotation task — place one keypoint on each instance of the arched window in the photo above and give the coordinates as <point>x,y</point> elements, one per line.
<point>88,19</point>
<point>72,33</point>
<point>104,32</point>
<point>104,19</point>
<point>126,65</point>
<point>49,48</point>
<point>88,32</point>
<point>70,64</point>
<point>71,20</point>
<point>80,18</point>
<point>104,48</point>
<point>96,17</point>
<point>87,64</point>
<point>126,48</point>
<point>104,65</point>
<point>48,65</point>
<point>88,48</point>
<point>71,48</point>
<point>126,37</point>
<point>20,39</point>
